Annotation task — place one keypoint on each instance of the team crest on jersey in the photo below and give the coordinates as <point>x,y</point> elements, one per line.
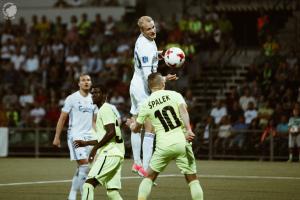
<point>145,59</point>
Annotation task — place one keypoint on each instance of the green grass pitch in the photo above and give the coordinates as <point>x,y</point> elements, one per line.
<point>49,179</point>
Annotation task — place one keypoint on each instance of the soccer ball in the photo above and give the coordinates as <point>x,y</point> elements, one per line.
<point>174,57</point>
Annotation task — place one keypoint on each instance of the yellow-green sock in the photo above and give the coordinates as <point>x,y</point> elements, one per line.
<point>113,195</point>
<point>145,189</point>
<point>196,190</point>
<point>87,192</point>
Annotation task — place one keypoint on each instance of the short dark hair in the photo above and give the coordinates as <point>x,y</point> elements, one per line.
<point>103,89</point>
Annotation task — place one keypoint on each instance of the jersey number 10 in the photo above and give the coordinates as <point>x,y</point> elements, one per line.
<point>165,119</point>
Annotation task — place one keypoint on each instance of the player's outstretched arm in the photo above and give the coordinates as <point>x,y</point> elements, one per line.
<point>110,134</point>
<point>59,127</point>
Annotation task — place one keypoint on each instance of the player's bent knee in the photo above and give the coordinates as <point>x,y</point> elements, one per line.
<point>92,181</point>
<point>113,194</point>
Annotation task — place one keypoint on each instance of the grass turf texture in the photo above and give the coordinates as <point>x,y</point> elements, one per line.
<point>232,180</point>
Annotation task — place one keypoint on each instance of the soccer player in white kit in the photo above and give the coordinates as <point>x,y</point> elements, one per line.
<point>82,112</point>
<point>146,59</point>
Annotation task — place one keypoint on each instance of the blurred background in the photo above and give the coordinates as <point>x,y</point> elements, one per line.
<point>240,78</point>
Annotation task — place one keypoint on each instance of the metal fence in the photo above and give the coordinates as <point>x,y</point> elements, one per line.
<point>37,142</point>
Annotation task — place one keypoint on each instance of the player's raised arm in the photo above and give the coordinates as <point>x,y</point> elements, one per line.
<point>59,127</point>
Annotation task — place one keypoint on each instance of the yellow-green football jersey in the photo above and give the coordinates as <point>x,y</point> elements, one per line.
<point>107,115</point>
<point>162,108</point>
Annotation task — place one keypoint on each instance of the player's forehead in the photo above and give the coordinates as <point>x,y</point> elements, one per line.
<point>85,78</point>
<point>148,25</point>
<point>95,90</point>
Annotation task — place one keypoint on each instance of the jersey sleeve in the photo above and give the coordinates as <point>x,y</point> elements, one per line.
<point>142,114</point>
<point>107,115</point>
<point>116,112</point>
<point>179,98</point>
<point>67,105</point>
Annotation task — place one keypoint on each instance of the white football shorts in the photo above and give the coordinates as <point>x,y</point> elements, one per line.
<point>138,94</point>
<point>79,153</point>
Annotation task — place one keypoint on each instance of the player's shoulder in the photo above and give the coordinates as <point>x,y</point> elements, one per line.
<point>142,42</point>
<point>73,96</point>
<point>106,107</point>
<point>172,92</point>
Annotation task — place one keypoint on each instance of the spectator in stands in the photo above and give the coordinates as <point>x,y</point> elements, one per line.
<point>250,113</point>
<point>281,139</point>
<point>292,59</point>
<point>246,98</point>
<point>12,115</point>
<point>218,111</point>
<point>10,98</point>
<point>282,73</point>
<point>17,59</point>
<point>294,133</point>
<point>265,113</point>
<point>239,133</point>
<point>43,28</point>
<point>37,114</point>
<point>52,114</point>
<point>31,64</point>
<point>224,134</point>
<point>267,76</point>
<point>271,46</point>
<point>72,36</point>
<point>26,98</point>
<point>235,111</point>
<point>109,26</point>
<point>84,26</point>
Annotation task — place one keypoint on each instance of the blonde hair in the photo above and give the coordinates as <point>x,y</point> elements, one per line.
<point>142,21</point>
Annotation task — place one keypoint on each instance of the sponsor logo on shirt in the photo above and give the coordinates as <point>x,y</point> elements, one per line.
<point>145,59</point>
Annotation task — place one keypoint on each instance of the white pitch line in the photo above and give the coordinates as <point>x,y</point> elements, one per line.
<point>163,176</point>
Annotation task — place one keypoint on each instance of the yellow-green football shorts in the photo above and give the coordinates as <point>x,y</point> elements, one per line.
<point>107,170</point>
<point>181,153</point>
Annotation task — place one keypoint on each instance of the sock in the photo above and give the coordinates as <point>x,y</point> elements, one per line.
<point>196,190</point>
<point>145,189</point>
<point>113,195</point>
<point>136,147</point>
<point>147,149</point>
<point>82,174</point>
<point>73,191</point>
<point>291,156</point>
<point>88,192</point>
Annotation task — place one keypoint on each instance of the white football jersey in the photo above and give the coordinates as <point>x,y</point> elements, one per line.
<point>81,111</point>
<point>145,61</point>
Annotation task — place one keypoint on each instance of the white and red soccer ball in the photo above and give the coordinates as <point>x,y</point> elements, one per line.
<point>174,57</point>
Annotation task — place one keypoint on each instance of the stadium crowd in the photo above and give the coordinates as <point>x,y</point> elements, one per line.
<point>42,60</point>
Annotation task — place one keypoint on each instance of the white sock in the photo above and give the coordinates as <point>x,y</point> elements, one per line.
<point>73,191</point>
<point>291,156</point>
<point>147,149</point>
<point>136,147</point>
<point>82,174</point>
